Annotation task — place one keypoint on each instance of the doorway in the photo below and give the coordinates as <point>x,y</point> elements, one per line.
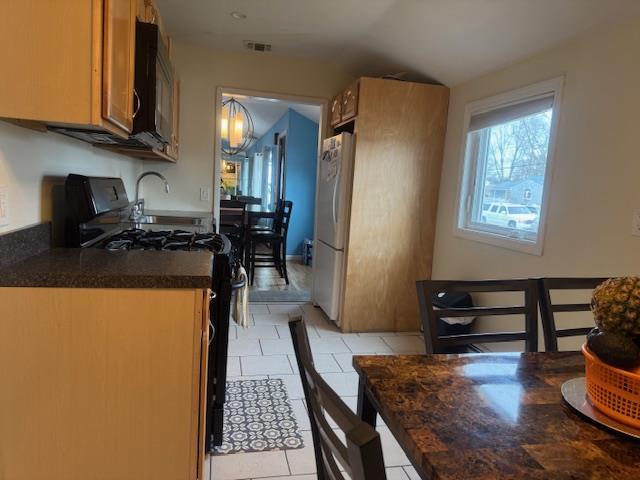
<point>265,155</point>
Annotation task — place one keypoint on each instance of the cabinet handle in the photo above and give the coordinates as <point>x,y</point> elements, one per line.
<point>138,103</point>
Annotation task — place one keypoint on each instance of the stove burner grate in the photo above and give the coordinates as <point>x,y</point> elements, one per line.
<point>136,239</point>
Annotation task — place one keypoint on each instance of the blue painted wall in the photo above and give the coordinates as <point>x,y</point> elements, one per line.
<point>302,152</point>
<point>300,173</point>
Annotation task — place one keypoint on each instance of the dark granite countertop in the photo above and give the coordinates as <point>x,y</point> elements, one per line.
<point>96,268</point>
<point>492,417</point>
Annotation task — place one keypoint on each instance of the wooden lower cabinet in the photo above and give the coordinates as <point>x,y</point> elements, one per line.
<point>102,383</point>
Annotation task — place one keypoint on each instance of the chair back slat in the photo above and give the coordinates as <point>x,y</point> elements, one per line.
<point>548,308</point>
<point>479,311</point>
<point>361,456</point>
<point>431,315</point>
<point>232,211</point>
<point>571,307</point>
<point>472,338</point>
<point>573,332</point>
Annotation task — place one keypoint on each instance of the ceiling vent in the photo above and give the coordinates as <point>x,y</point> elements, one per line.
<point>256,46</point>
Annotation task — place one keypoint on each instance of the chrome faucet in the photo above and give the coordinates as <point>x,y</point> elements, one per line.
<point>138,206</point>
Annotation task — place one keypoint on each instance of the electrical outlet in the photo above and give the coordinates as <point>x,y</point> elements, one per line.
<point>4,206</point>
<point>635,225</point>
<point>204,194</point>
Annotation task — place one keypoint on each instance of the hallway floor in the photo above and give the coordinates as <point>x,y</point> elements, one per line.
<point>265,351</point>
<point>270,287</point>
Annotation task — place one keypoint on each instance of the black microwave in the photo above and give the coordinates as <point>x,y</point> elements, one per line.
<point>153,93</point>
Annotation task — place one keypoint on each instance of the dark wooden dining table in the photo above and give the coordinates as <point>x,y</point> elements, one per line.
<point>490,416</point>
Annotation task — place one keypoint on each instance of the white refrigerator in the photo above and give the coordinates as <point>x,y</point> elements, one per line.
<point>332,222</point>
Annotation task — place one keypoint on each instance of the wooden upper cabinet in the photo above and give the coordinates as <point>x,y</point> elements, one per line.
<point>344,106</point>
<point>336,110</point>
<point>118,62</point>
<point>350,101</point>
<point>69,63</point>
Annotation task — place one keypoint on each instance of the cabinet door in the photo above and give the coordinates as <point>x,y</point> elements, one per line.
<point>350,101</point>
<point>125,399</point>
<point>118,62</point>
<point>336,110</point>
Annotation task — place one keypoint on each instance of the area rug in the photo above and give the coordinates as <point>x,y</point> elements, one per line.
<point>258,417</point>
<point>278,296</point>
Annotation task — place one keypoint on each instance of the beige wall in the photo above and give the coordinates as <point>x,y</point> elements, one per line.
<point>594,188</point>
<point>31,162</point>
<point>202,70</point>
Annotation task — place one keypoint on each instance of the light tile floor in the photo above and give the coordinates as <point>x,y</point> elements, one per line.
<point>264,350</point>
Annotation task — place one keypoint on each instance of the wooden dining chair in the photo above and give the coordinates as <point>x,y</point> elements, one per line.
<point>431,316</point>
<point>232,223</point>
<point>361,455</point>
<point>548,308</point>
<point>276,242</point>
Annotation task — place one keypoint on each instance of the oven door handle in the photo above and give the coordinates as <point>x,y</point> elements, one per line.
<point>213,332</point>
<point>212,296</point>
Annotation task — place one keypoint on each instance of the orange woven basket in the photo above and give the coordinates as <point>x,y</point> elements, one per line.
<point>613,391</point>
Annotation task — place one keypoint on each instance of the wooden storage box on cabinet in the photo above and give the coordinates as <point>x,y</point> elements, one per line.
<point>69,63</point>
<point>336,110</point>
<point>350,102</point>
<point>103,383</point>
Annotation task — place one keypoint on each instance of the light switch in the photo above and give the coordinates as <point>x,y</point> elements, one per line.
<point>204,194</point>
<point>635,226</point>
<point>4,206</point>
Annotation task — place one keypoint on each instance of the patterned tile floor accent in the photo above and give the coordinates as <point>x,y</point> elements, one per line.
<point>259,417</point>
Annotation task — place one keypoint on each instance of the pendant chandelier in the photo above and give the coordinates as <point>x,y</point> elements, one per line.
<point>236,127</point>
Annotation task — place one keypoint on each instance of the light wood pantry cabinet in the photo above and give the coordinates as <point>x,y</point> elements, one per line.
<point>103,384</point>
<point>69,63</point>
<point>399,135</point>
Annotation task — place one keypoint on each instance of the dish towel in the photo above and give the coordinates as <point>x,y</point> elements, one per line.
<point>241,307</point>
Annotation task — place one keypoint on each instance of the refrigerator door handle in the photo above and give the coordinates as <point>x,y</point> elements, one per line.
<point>335,198</point>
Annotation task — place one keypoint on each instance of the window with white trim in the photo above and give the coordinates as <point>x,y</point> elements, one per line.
<point>508,148</point>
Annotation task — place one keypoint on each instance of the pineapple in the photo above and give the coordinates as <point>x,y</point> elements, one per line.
<point>616,306</point>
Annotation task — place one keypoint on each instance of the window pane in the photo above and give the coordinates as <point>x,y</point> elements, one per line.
<point>510,162</point>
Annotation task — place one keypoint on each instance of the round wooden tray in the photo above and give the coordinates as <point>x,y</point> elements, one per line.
<point>574,393</point>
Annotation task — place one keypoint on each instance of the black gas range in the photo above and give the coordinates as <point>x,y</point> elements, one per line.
<point>98,215</point>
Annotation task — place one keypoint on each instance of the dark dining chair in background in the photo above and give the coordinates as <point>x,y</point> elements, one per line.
<point>232,223</point>
<point>436,343</point>
<point>361,455</point>
<point>549,308</point>
<point>275,255</point>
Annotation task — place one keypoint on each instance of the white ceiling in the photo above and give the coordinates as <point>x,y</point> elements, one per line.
<point>267,111</point>
<point>449,41</point>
